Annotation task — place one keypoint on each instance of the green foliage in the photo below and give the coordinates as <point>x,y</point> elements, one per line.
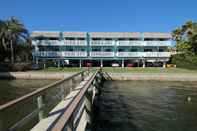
<point>186,37</point>
<point>14,40</point>
<point>186,45</point>
<point>187,60</point>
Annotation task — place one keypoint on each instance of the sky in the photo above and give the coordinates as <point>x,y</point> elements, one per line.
<point>100,15</point>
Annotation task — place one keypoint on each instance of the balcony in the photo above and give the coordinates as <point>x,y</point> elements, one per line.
<point>60,54</point>
<point>101,54</point>
<point>102,43</point>
<point>75,42</point>
<point>143,54</point>
<point>58,42</point>
<point>144,43</point>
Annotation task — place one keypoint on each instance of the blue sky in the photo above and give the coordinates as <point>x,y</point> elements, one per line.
<point>101,15</point>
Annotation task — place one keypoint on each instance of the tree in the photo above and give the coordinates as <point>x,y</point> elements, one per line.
<point>12,32</point>
<point>186,37</point>
<point>186,45</point>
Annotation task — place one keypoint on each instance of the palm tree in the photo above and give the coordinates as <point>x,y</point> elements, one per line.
<point>12,31</point>
<point>17,32</point>
<point>3,34</point>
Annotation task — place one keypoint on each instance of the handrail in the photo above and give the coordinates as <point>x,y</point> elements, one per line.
<point>36,92</point>
<point>39,94</point>
<point>63,120</point>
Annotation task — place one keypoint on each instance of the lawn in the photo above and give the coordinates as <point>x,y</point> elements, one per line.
<point>147,70</point>
<point>55,69</point>
<point>125,70</point>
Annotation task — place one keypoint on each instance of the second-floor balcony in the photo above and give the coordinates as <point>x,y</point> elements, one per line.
<point>59,42</point>
<point>143,54</point>
<point>144,43</point>
<point>60,54</point>
<point>101,54</point>
<point>101,43</point>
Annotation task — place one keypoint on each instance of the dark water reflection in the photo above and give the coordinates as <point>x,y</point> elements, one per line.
<point>12,89</point>
<point>147,106</point>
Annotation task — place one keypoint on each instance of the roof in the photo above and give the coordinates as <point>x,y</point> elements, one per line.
<point>56,34</point>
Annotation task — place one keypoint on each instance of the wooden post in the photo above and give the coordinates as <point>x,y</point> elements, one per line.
<point>40,107</point>
<point>71,84</point>
<point>82,76</point>
<point>62,90</point>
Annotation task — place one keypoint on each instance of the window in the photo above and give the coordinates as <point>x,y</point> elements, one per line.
<point>148,50</point>
<point>161,50</point>
<point>133,50</point>
<point>48,48</point>
<point>108,50</point>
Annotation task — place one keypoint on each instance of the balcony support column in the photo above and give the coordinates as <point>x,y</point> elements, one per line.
<point>122,63</point>
<point>80,63</point>
<point>144,63</point>
<point>101,63</point>
<point>58,64</point>
<point>44,64</point>
<point>164,64</point>
<point>37,61</point>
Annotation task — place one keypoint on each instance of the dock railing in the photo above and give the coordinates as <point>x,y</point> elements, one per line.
<point>70,119</point>
<point>23,113</point>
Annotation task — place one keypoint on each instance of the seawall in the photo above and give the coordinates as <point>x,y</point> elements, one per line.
<point>35,75</point>
<point>154,76</point>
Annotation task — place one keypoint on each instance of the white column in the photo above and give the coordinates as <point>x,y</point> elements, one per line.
<point>37,61</point>
<point>164,64</point>
<point>80,65</point>
<point>101,63</point>
<point>58,63</point>
<point>122,63</point>
<point>44,64</point>
<point>144,65</point>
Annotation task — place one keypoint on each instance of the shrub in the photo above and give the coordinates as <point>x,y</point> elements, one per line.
<point>187,60</point>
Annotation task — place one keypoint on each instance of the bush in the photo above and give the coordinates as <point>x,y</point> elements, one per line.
<point>187,60</point>
<point>20,66</point>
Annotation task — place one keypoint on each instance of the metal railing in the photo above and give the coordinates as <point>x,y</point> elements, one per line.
<point>101,43</point>
<point>60,53</point>
<point>101,54</point>
<point>143,54</point>
<point>60,42</point>
<point>23,113</point>
<point>143,43</point>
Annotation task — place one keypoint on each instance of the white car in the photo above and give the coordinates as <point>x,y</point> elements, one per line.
<point>115,65</point>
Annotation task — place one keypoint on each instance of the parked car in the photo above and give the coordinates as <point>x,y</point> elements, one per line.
<point>115,65</point>
<point>130,65</point>
<point>35,67</point>
<point>88,64</point>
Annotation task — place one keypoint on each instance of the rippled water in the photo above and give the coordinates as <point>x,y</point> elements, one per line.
<point>12,89</point>
<point>147,106</point>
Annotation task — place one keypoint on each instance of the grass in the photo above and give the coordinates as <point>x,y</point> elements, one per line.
<point>55,69</point>
<point>148,70</point>
<point>125,70</point>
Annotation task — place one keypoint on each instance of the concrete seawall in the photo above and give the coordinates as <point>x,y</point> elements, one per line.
<point>114,76</point>
<point>35,75</point>
<point>154,76</point>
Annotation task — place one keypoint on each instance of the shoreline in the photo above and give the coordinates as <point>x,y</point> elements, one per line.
<point>154,76</point>
<point>112,76</point>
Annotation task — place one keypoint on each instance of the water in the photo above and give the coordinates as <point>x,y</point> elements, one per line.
<point>12,89</point>
<point>147,106</point>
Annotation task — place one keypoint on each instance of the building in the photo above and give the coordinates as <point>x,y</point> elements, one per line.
<point>101,48</point>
